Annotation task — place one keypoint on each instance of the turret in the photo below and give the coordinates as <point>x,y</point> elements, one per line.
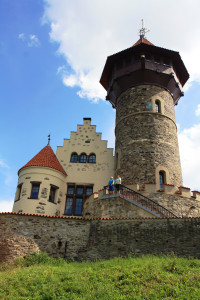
<point>143,83</point>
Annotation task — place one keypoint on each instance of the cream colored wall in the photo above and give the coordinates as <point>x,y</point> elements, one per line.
<point>47,177</point>
<point>97,173</point>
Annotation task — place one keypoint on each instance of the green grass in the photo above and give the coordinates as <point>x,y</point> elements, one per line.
<point>149,277</point>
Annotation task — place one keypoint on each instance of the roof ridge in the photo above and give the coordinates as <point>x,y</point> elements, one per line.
<point>143,41</point>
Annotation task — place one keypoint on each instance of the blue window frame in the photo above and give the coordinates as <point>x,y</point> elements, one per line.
<point>68,208</point>
<point>83,158</point>
<point>74,157</point>
<point>35,190</point>
<point>78,208</point>
<point>92,158</point>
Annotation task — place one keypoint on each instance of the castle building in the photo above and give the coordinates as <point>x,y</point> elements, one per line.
<point>59,184</point>
<point>143,84</point>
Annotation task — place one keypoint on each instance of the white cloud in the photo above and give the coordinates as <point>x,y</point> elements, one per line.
<point>31,40</point>
<point>6,205</point>
<point>21,36</point>
<point>89,31</point>
<point>3,164</point>
<point>197,112</point>
<point>189,144</point>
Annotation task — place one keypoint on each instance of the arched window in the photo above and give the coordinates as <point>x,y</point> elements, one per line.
<point>74,157</point>
<point>162,179</point>
<point>92,158</point>
<point>83,158</point>
<point>158,106</point>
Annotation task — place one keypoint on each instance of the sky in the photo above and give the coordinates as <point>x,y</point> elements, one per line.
<point>52,53</point>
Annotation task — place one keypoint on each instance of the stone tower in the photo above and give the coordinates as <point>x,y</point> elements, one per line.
<point>143,83</point>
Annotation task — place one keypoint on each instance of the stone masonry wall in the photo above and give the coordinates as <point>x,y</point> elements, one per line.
<point>145,139</point>
<point>80,239</point>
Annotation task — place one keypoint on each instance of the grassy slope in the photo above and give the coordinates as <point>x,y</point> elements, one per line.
<point>149,277</point>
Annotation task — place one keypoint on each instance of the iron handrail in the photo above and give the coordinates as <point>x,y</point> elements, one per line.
<point>145,201</point>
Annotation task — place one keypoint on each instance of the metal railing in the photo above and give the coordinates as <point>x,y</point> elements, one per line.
<point>143,200</point>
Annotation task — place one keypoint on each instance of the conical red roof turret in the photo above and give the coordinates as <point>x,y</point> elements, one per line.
<point>45,158</point>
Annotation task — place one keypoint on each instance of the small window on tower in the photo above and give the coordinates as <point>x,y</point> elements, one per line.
<point>18,193</point>
<point>157,106</point>
<point>157,59</point>
<point>52,194</point>
<point>35,190</point>
<point>166,61</point>
<point>162,179</point>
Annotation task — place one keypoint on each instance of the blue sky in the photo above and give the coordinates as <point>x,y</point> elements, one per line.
<point>52,54</point>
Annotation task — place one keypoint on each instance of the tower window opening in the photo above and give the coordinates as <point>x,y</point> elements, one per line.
<point>35,190</point>
<point>19,190</point>
<point>83,158</point>
<point>147,56</point>
<point>166,61</point>
<point>157,106</point>
<point>74,157</point>
<point>52,194</point>
<point>162,179</point>
<point>157,59</point>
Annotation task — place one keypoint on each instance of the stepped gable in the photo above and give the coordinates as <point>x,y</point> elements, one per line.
<point>45,158</point>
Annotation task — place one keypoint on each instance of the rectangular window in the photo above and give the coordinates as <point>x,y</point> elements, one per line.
<point>78,208</point>
<point>89,190</point>
<point>18,193</point>
<point>68,208</point>
<point>70,190</point>
<point>35,190</point>
<point>79,190</point>
<point>52,194</point>
<point>76,195</point>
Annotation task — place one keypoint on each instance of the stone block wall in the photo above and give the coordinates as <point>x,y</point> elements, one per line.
<point>91,239</point>
<point>146,141</point>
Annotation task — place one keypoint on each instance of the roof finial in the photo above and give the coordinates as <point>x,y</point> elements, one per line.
<point>49,139</point>
<point>143,30</point>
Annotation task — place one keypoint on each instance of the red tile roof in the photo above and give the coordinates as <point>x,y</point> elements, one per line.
<point>45,158</point>
<point>144,41</point>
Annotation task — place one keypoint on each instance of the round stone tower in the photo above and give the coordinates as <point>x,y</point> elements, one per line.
<point>143,83</point>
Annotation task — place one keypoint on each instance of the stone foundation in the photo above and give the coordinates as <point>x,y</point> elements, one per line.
<point>92,239</point>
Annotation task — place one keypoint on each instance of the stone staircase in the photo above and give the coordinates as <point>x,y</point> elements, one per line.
<point>142,202</point>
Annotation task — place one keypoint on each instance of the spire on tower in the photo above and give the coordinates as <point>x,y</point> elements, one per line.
<point>143,30</point>
<point>49,139</point>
